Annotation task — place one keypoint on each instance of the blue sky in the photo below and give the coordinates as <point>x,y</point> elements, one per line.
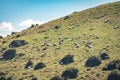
<point>16,15</point>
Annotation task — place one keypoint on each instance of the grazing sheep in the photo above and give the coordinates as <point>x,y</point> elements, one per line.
<point>54,44</point>
<point>77,37</point>
<point>57,48</point>
<point>71,39</point>
<point>97,37</point>
<point>115,27</point>
<point>84,34</point>
<point>90,46</point>
<point>65,37</point>
<point>84,41</point>
<point>91,34</point>
<point>61,41</point>
<point>106,21</point>
<point>76,45</point>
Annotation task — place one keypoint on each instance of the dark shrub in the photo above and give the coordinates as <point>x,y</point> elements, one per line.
<point>4,42</point>
<point>28,64</point>
<point>67,59</point>
<point>56,78</point>
<point>115,64</point>
<point>66,17</point>
<point>114,75</point>
<point>39,66</point>
<point>10,78</point>
<point>1,37</point>
<point>17,43</point>
<point>13,32</point>
<point>93,61</point>
<point>9,54</point>
<point>17,35</point>
<point>34,78</point>
<point>70,73</point>
<point>56,27</point>
<point>104,56</point>
<point>1,73</point>
<point>2,78</point>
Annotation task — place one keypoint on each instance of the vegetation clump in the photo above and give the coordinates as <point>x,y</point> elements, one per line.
<point>104,56</point>
<point>1,36</point>
<point>9,54</point>
<point>115,64</point>
<point>70,73</point>
<point>67,59</point>
<point>28,64</point>
<point>56,78</point>
<point>114,75</point>
<point>39,66</point>
<point>56,27</point>
<point>17,43</point>
<point>34,78</point>
<point>93,61</point>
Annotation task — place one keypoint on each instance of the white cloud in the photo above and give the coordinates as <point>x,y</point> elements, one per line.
<point>6,26</point>
<point>29,22</point>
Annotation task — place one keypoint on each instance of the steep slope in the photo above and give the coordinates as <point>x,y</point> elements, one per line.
<point>40,51</point>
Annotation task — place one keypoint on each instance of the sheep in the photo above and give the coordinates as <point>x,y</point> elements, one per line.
<point>76,45</point>
<point>58,47</point>
<point>54,44</point>
<point>115,27</point>
<point>61,41</point>
<point>97,37</point>
<point>84,41</point>
<point>106,21</point>
<point>77,37</point>
<point>91,34</point>
<point>84,34</point>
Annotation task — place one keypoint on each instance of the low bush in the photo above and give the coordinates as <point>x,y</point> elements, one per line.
<point>114,75</point>
<point>67,59</point>
<point>104,56</point>
<point>28,64</point>
<point>17,43</point>
<point>56,78</point>
<point>70,73</point>
<point>34,78</point>
<point>115,64</point>
<point>93,61</point>
<point>9,54</point>
<point>39,66</point>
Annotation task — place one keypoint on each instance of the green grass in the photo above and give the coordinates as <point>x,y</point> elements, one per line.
<point>88,21</point>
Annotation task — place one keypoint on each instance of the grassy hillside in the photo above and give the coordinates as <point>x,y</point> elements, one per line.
<point>81,34</point>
